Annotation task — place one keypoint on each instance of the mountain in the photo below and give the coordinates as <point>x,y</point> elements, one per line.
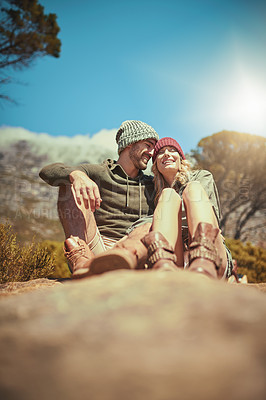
<point>27,202</point>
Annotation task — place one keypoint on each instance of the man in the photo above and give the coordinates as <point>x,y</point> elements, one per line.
<point>98,203</point>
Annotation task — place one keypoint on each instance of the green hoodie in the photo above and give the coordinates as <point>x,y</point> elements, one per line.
<point>124,199</point>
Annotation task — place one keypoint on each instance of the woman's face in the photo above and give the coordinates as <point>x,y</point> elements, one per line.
<point>168,160</point>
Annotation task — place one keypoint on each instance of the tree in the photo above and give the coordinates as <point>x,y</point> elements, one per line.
<point>251,260</point>
<point>26,33</point>
<point>238,163</point>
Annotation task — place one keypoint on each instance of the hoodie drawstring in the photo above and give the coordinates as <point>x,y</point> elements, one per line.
<point>127,198</point>
<point>127,195</point>
<point>140,210</point>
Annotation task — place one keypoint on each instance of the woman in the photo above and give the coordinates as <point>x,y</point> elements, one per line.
<point>186,218</point>
<point>185,229</point>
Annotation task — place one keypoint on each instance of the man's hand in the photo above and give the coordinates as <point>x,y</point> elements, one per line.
<point>86,189</point>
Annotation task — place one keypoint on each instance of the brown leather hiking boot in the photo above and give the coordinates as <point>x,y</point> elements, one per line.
<point>79,256</point>
<point>203,255</point>
<point>161,254</point>
<point>127,254</point>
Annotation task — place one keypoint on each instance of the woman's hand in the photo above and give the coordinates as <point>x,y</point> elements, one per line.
<point>86,189</point>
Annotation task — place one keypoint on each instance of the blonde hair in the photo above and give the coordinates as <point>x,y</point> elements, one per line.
<point>180,179</point>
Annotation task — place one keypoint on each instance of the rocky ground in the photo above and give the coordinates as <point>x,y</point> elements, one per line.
<point>133,335</point>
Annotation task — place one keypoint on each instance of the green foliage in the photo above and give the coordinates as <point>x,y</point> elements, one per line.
<point>19,264</point>
<point>61,269</point>
<point>251,260</point>
<point>26,33</point>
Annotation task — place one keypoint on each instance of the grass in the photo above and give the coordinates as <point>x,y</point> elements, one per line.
<point>22,263</point>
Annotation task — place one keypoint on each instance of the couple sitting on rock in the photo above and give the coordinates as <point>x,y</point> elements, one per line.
<point>116,217</point>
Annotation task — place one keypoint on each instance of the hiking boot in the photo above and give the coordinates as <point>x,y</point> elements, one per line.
<point>203,255</point>
<point>127,254</point>
<point>161,255</point>
<point>79,256</point>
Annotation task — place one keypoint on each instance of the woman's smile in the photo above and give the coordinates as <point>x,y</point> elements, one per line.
<point>168,161</point>
<point>168,157</point>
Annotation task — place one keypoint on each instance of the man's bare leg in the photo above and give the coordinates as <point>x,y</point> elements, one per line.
<point>80,228</point>
<point>76,220</point>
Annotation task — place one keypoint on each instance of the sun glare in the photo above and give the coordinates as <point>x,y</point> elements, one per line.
<point>247,105</point>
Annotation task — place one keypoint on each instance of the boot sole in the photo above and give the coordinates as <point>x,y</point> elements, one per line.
<point>110,262</point>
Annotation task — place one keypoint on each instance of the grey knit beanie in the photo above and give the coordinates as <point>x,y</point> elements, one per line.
<point>132,132</point>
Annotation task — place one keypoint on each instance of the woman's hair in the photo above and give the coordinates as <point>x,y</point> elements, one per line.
<point>180,179</point>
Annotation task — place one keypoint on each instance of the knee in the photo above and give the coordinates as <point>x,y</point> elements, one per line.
<point>169,195</point>
<point>140,231</point>
<point>194,192</point>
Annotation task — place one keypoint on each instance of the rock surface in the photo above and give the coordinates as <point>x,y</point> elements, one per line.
<point>9,288</point>
<point>134,335</point>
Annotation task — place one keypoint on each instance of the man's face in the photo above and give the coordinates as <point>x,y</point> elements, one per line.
<point>141,152</point>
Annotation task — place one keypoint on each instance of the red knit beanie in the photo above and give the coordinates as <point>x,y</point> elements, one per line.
<point>167,141</point>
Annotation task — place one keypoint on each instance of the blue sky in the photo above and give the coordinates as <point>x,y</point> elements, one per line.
<point>188,68</point>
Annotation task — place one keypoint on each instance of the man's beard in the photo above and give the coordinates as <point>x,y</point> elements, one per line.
<point>136,157</point>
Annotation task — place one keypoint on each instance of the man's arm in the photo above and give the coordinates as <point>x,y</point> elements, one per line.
<point>56,174</point>
<point>83,187</point>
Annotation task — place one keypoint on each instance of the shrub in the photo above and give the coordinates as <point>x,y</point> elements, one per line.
<point>61,269</point>
<point>251,260</point>
<point>22,263</point>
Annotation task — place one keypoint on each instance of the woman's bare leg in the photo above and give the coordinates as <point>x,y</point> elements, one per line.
<point>167,220</point>
<point>199,209</point>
